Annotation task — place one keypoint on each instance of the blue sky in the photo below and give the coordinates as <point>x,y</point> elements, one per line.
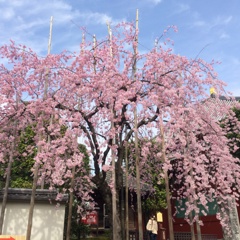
<point>209,29</point>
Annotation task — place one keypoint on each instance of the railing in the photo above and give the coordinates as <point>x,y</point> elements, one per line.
<point>187,236</point>
<point>133,235</point>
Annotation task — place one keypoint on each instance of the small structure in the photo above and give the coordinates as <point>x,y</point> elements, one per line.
<point>48,218</point>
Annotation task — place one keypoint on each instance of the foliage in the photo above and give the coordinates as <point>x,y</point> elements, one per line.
<point>86,165</point>
<point>156,201</point>
<point>21,176</point>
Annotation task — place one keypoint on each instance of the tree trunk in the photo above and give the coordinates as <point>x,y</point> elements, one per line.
<point>4,202</point>
<point>105,193</point>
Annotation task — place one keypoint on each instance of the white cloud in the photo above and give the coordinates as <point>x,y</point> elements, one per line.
<point>236,61</point>
<point>228,20</point>
<point>182,8</point>
<point>7,13</point>
<point>47,7</point>
<point>32,24</point>
<point>62,12</point>
<point>155,1</point>
<point>14,3</point>
<point>221,20</point>
<point>199,23</point>
<point>98,18</point>
<point>224,36</point>
<point>27,22</point>
<point>95,18</point>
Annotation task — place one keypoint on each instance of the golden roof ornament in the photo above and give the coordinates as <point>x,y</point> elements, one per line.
<point>213,92</point>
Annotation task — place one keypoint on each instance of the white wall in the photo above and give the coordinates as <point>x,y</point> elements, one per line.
<point>48,220</point>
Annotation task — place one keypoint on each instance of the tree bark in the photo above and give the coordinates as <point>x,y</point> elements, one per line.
<point>105,193</point>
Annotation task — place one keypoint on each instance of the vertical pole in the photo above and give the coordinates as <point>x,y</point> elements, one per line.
<point>126,190</point>
<point>122,210</point>
<point>167,189</point>
<point>71,196</point>
<point>199,236</point>
<point>169,206</point>
<point>50,35</point>
<point>192,226</point>
<point>114,200</point>
<point>83,41</point>
<point>191,213</point>
<point>122,204</point>
<point>48,52</point>
<point>35,178</point>
<point>46,80</point>
<point>138,187</point>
